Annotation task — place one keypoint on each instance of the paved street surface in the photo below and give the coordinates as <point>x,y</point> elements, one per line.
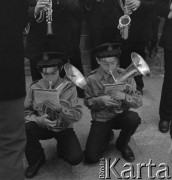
<point>149,145</point>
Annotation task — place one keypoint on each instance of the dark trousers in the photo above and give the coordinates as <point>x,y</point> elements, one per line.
<point>165,109</point>
<point>12,139</point>
<point>125,60</point>
<point>68,145</point>
<point>99,135</point>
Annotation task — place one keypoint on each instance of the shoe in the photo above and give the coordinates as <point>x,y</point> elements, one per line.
<point>32,170</point>
<point>127,153</point>
<point>164,126</point>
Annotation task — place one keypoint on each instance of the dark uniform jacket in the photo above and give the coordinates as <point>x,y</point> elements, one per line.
<point>163,10</point>
<point>95,89</point>
<point>103,19</point>
<point>71,111</point>
<point>141,22</point>
<point>66,21</point>
<point>12,22</point>
<point>106,14</point>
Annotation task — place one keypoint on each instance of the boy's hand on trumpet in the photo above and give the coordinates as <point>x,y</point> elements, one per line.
<point>109,101</point>
<point>40,6</point>
<point>45,122</point>
<point>118,95</point>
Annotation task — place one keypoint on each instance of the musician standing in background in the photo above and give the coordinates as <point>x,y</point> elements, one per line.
<point>102,17</point>
<point>110,111</point>
<point>140,33</point>
<point>12,92</point>
<point>49,119</point>
<point>66,26</point>
<point>164,9</point>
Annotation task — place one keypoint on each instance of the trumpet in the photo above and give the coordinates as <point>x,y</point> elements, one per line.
<point>52,111</point>
<point>75,75</point>
<point>137,67</point>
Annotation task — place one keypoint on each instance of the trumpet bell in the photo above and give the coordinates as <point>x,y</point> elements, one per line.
<point>137,67</point>
<point>140,64</point>
<point>75,75</point>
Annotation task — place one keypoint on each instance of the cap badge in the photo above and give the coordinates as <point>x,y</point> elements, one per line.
<point>45,57</point>
<point>110,48</point>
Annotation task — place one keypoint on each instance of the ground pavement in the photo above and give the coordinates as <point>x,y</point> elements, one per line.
<point>151,147</point>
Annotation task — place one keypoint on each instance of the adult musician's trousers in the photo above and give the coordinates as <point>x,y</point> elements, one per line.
<point>12,139</point>
<point>165,109</point>
<point>100,132</point>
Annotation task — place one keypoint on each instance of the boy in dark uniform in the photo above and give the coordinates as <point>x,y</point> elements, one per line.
<point>110,110</point>
<point>51,118</point>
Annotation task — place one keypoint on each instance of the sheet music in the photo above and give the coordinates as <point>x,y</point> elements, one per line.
<point>41,95</point>
<point>109,88</point>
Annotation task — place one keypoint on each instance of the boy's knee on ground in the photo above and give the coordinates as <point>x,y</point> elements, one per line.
<point>91,156</point>
<point>74,159</point>
<point>133,119</point>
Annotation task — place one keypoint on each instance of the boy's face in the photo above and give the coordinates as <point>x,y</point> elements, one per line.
<point>50,73</point>
<point>108,64</point>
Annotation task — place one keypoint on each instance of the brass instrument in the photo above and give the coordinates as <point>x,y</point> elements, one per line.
<point>53,111</point>
<point>137,67</point>
<point>125,20</point>
<point>75,75</point>
<point>50,85</point>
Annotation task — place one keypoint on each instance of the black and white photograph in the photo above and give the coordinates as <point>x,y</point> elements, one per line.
<point>86,89</point>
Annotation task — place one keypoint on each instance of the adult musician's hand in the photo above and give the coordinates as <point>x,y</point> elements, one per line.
<point>45,122</point>
<point>109,101</point>
<point>40,5</point>
<point>170,13</point>
<point>133,4</point>
<point>171,6</point>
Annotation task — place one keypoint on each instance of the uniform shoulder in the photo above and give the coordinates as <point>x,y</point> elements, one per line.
<point>34,84</point>
<point>120,70</point>
<point>92,72</point>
